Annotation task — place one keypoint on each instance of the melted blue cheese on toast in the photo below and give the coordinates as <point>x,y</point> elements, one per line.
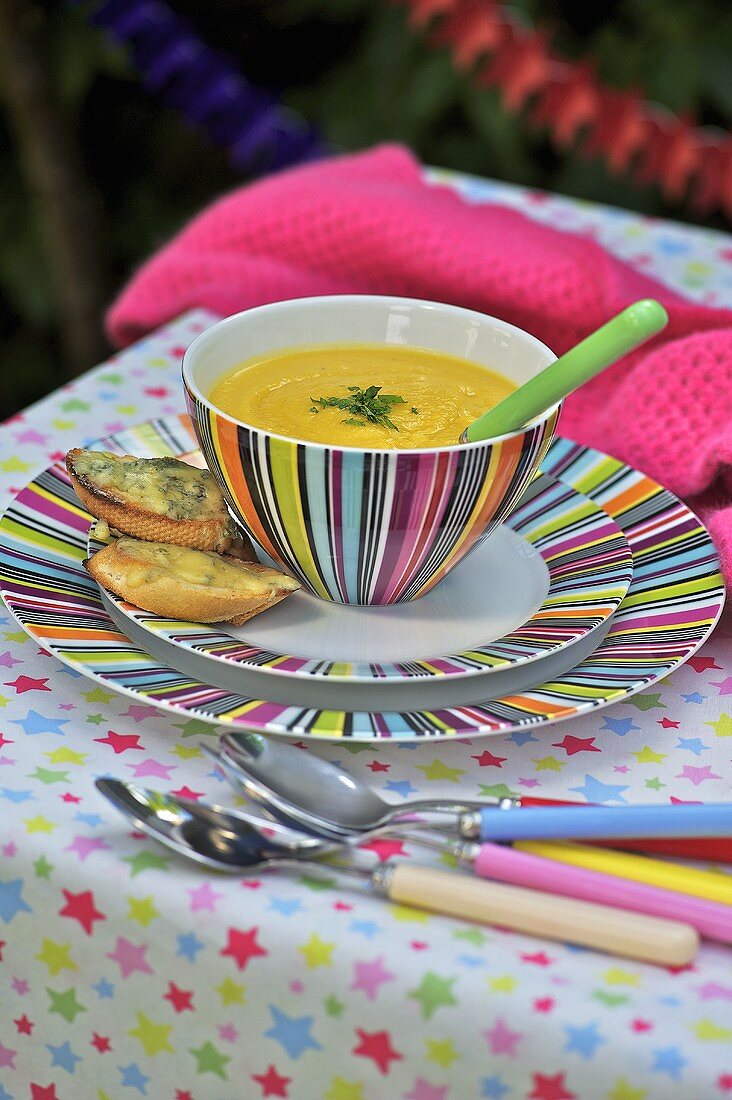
<point>164,486</point>
<point>150,561</point>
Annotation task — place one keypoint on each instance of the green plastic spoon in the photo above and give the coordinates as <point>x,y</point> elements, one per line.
<point>610,342</point>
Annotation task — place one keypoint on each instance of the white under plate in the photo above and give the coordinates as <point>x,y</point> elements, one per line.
<point>361,695</point>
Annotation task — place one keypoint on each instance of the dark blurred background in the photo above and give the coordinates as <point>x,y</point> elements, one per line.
<point>120,171</point>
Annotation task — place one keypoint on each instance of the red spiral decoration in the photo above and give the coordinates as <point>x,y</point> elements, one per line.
<point>689,164</point>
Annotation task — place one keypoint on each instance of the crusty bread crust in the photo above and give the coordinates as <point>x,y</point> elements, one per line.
<point>172,597</point>
<point>216,533</point>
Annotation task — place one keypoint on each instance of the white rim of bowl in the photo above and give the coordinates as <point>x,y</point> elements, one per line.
<point>351,298</point>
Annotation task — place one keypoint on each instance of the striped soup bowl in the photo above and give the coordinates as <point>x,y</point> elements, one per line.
<point>365,526</point>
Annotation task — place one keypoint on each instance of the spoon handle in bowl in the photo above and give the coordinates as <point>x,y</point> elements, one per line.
<point>617,931</point>
<point>628,330</point>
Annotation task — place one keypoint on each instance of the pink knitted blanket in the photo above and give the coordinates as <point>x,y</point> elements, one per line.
<point>368,223</point>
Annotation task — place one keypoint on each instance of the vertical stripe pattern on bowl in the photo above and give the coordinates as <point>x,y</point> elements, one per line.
<point>360,526</point>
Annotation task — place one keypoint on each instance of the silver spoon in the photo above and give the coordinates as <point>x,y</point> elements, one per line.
<point>209,834</point>
<point>303,790</point>
<point>344,807</point>
<point>226,841</point>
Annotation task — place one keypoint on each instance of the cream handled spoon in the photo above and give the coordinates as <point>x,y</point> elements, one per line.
<point>625,332</point>
<point>226,841</point>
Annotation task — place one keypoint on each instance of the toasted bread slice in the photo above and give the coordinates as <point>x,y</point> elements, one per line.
<point>157,499</point>
<point>178,582</point>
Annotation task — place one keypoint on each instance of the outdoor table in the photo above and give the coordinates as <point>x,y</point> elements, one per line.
<point>125,971</point>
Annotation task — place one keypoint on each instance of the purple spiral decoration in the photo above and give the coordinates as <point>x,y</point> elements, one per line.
<point>259,134</point>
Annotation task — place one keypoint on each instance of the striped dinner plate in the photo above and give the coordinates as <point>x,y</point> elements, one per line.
<point>671,605</point>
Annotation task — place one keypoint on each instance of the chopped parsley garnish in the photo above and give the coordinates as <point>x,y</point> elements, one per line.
<point>365,406</point>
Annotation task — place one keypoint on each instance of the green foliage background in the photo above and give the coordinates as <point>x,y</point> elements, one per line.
<point>356,70</point>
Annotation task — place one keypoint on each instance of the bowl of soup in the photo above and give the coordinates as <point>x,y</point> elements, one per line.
<point>332,425</point>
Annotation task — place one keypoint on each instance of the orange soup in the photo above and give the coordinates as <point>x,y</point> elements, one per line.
<point>361,395</point>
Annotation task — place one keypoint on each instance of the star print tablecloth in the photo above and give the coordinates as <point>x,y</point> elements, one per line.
<point>126,973</point>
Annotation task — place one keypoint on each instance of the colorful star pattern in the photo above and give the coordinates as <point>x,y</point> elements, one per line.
<point>123,966</point>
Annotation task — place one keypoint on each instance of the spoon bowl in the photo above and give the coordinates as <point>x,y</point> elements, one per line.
<point>216,837</point>
<point>299,788</point>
